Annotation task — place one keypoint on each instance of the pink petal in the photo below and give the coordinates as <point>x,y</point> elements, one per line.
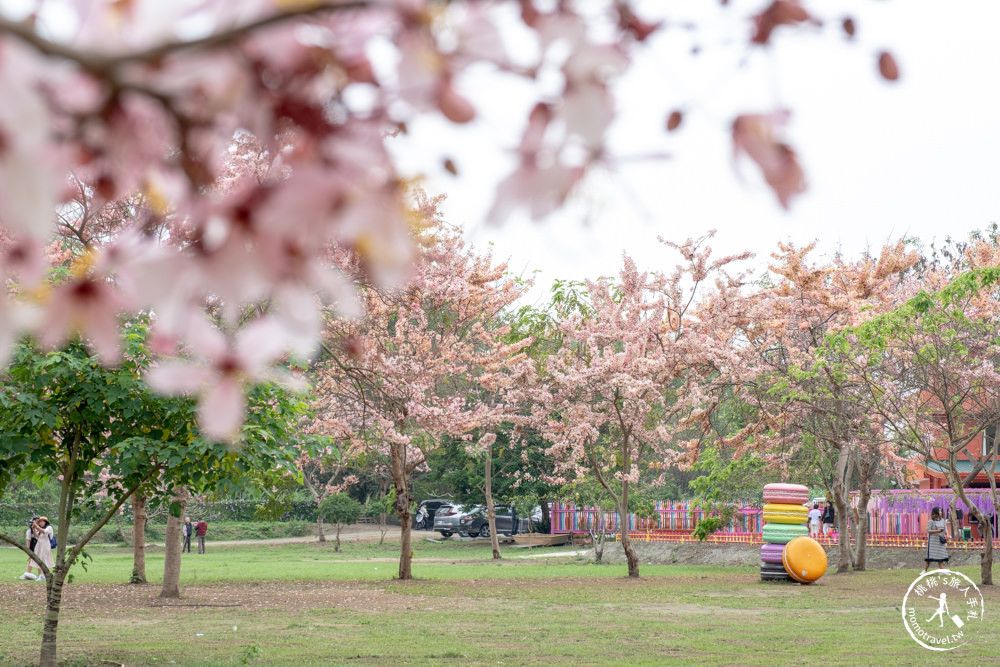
<point>260,343</point>
<point>220,411</point>
<point>178,377</point>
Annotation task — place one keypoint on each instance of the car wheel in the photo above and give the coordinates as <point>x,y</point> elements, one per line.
<point>484,531</point>
<point>445,533</point>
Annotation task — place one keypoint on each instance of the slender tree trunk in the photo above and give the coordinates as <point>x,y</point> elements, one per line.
<point>126,538</point>
<point>597,539</point>
<point>383,517</point>
<point>53,600</point>
<point>336,548</point>
<point>400,481</point>
<point>319,529</point>
<point>172,552</point>
<point>546,516</point>
<point>383,527</point>
<point>986,560</point>
<point>491,514</point>
<point>842,501</point>
<point>138,539</point>
<point>861,530</point>
<point>955,528</point>
<point>630,555</point>
<point>985,526</point>
<point>317,498</point>
<point>56,577</point>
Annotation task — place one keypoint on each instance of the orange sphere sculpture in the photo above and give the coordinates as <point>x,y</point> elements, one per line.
<point>804,559</point>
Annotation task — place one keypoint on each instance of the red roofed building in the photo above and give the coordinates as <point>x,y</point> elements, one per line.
<point>932,474</point>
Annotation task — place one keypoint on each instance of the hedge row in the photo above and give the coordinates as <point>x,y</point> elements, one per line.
<point>217,531</point>
<point>223,510</point>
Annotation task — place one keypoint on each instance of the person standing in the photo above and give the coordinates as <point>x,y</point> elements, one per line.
<point>187,529</point>
<point>829,518</point>
<point>39,537</point>
<point>814,517</point>
<point>937,538</point>
<point>43,547</point>
<point>30,540</point>
<point>201,530</point>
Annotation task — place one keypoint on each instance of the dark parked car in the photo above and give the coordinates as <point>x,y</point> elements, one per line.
<point>424,518</point>
<point>476,523</point>
<point>447,517</point>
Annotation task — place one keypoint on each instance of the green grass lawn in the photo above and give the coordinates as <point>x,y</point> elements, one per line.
<point>299,604</point>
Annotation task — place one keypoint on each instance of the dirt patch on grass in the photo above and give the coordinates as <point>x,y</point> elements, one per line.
<point>130,601</point>
<point>658,553</point>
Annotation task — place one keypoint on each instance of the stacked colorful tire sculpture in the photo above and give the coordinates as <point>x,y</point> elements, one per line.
<point>785,518</point>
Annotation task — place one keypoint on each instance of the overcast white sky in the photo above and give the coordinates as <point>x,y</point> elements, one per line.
<point>919,158</point>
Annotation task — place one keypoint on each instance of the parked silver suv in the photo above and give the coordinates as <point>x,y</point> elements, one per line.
<point>447,517</point>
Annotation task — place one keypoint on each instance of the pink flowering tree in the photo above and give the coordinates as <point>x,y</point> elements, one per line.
<point>324,468</point>
<point>930,367</point>
<point>809,404</point>
<point>146,98</point>
<point>412,369</point>
<point>637,378</point>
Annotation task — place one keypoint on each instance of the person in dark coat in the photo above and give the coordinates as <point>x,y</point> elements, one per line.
<point>829,518</point>
<point>201,530</point>
<point>188,531</point>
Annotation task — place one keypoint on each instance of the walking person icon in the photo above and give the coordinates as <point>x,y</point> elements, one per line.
<point>942,608</point>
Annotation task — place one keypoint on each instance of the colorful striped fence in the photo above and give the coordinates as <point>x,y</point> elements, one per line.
<point>755,539</point>
<point>669,516</point>
<point>897,519</point>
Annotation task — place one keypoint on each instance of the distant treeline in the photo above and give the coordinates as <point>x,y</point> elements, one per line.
<point>218,510</point>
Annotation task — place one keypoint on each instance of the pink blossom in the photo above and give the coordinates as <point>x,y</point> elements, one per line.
<point>755,135</point>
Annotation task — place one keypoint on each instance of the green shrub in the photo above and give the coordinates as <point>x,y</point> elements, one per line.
<point>340,509</point>
<point>707,526</point>
<point>222,531</point>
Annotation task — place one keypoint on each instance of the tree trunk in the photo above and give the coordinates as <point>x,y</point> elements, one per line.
<point>319,529</point>
<point>383,527</point>
<point>841,500</point>
<point>53,600</point>
<point>491,514</point>
<point>861,529</point>
<point>126,538</point>
<point>985,527</point>
<point>952,520</point>
<point>138,539</point>
<point>400,482</point>
<point>630,554</point>
<point>405,548</point>
<point>986,559</point>
<point>546,516</point>
<point>597,539</point>
<point>172,549</point>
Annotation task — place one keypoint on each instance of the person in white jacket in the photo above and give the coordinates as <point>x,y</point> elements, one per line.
<point>814,516</point>
<point>38,538</point>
